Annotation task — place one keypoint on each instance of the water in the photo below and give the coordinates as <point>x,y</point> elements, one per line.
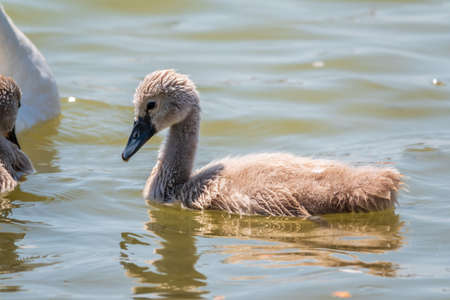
<point>347,80</point>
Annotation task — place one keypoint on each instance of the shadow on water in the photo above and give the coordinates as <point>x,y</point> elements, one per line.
<point>349,242</point>
<point>170,271</point>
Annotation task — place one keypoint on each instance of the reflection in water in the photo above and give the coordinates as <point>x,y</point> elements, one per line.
<point>39,146</point>
<point>172,272</point>
<point>351,242</point>
<point>338,242</point>
<point>6,207</point>
<point>10,260</point>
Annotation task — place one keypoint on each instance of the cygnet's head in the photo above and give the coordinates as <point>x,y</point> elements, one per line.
<point>10,96</point>
<point>164,98</point>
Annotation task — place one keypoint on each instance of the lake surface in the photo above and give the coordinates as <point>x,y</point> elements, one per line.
<point>347,80</point>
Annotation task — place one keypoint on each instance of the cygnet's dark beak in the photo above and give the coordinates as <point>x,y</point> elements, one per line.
<point>12,137</point>
<point>143,130</point>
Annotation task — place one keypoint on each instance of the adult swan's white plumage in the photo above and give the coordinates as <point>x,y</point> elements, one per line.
<point>21,60</point>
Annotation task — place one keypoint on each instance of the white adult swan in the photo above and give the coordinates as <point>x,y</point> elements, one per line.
<point>22,61</point>
<point>267,183</point>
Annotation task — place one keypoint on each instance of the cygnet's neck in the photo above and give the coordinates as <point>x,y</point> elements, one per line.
<point>176,159</point>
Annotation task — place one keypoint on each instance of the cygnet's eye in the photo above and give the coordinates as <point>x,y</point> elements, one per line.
<point>151,105</point>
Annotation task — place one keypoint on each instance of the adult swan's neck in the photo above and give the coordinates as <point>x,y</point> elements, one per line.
<point>175,161</point>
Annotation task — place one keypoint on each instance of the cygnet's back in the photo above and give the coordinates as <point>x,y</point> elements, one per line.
<point>286,185</point>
